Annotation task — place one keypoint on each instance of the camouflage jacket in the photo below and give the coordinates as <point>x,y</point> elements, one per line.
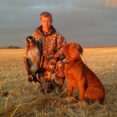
<point>53,43</point>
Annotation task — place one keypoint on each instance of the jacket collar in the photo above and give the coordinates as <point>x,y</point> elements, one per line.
<point>40,31</point>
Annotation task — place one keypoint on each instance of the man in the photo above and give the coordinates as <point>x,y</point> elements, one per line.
<point>53,43</point>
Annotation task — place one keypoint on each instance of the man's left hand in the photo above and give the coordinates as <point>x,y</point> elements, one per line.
<point>51,65</point>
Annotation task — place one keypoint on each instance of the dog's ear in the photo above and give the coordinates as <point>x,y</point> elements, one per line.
<point>80,49</point>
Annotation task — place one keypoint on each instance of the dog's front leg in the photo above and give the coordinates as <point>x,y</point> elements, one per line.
<point>70,88</point>
<point>82,90</point>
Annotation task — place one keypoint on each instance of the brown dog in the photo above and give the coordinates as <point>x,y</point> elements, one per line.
<point>79,76</point>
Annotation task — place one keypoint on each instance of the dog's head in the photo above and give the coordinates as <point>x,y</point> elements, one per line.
<point>72,51</point>
<point>31,41</point>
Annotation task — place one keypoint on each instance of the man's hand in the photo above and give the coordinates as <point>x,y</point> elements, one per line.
<point>51,65</point>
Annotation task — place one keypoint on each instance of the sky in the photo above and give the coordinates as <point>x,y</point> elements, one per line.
<point>87,22</point>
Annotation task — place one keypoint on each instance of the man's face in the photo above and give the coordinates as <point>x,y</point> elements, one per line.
<point>46,22</point>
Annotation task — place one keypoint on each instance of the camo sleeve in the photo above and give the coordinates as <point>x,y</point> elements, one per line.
<point>60,43</point>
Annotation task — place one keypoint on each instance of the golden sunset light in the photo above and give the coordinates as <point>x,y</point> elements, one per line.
<point>108,3</point>
<point>111,3</point>
<point>58,58</point>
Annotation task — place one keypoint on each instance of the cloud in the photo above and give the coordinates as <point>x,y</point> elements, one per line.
<point>81,21</point>
<point>29,3</point>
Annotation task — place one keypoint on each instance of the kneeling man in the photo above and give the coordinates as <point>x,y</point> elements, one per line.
<point>52,46</point>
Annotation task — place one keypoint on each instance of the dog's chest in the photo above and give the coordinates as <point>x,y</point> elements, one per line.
<point>69,71</point>
<point>71,78</point>
<point>34,55</point>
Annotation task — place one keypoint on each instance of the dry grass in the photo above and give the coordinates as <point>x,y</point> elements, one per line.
<point>19,98</point>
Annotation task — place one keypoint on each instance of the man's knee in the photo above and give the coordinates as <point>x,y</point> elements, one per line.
<point>60,68</point>
<point>59,64</point>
